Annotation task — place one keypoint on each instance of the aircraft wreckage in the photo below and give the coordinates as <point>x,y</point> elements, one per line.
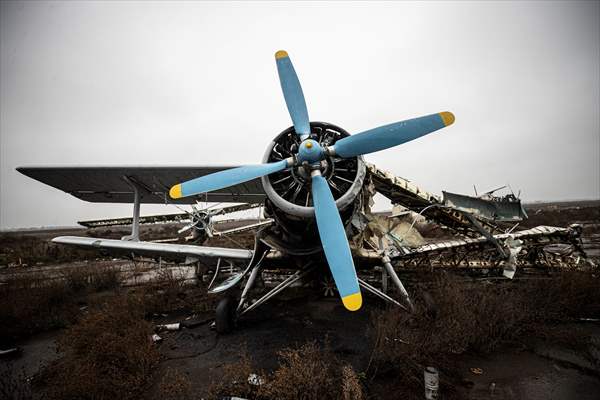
<point>315,193</point>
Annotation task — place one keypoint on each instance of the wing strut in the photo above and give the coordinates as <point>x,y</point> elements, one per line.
<point>135,225</point>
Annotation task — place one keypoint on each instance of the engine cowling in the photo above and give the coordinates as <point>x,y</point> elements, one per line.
<point>289,198</point>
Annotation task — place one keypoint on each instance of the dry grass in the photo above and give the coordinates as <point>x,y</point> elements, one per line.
<point>22,249</point>
<point>174,385</point>
<point>471,317</point>
<point>169,292</point>
<point>34,303</point>
<point>308,372</point>
<point>14,385</point>
<point>107,355</point>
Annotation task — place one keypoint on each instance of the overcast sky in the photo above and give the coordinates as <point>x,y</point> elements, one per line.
<point>196,83</point>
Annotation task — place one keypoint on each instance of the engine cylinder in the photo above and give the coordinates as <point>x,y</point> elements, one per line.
<point>289,191</point>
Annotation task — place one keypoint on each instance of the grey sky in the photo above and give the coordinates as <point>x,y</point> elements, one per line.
<point>196,83</point>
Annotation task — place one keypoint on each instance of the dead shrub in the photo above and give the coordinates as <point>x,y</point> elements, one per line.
<point>19,249</point>
<point>478,316</point>
<point>351,386</point>
<point>76,278</point>
<point>35,302</point>
<point>307,372</point>
<point>94,276</point>
<point>169,292</point>
<point>31,304</point>
<point>174,385</point>
<point>563,296</point>
<point>105,277</point>
<point>108,354</point>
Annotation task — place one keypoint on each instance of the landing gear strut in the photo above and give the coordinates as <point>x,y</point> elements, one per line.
<point>225,315</point>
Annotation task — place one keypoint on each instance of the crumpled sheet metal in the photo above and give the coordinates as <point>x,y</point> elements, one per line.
<point>492,210</point>
<point>514,247</point>
<point>401,183</point>
<point>394,232</point>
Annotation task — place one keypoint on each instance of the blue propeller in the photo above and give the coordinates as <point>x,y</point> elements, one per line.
<point>391,135</point>
<point>310,154</point>
<point>292,92</point>
<point>335,244</point>
<point>229,177</point>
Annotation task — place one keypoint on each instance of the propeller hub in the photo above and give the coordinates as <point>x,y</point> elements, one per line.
<point>310,151</point>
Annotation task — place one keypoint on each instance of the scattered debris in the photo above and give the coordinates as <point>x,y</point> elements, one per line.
<point>10,352</point>
<point>432,383</point>
<point>514,247</point>
<point>168,327</point>
<point>255,380</point>
<point>156,338</point>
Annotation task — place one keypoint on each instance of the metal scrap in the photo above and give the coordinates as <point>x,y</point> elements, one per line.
<point>507,208</point>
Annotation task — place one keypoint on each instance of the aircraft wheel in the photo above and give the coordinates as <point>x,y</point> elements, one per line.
<point>225,315</point>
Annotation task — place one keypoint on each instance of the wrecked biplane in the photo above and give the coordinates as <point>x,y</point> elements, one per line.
<point>317,191</point>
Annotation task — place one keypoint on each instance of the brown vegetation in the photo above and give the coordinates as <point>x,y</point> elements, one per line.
<point>174,385</point>
<point>14,385</point>
<point>29,250</point>
<point>33,303</point>
<point>169,292</point>
<point>307,372</point>
<point>454,317</point>
<point>107,355</point>
<point>564,214</point>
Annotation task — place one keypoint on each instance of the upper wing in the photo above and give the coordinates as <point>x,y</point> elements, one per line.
<point>178,252</point>
<point>100,184</point>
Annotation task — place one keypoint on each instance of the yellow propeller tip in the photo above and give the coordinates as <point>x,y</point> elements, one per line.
<point>175,192</point>
<point>447,117</point>
<point>353,301</point>
<point>281,54</point>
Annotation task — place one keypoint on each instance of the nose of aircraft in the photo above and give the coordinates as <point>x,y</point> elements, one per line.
<point>310,151</point>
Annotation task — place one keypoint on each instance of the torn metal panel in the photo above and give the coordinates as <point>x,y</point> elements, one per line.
<point>504,209</point>
<point>402,192</point>
<point>385,232</point>
<point>514,247</point>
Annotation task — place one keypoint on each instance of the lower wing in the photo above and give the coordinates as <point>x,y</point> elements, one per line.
<point>170,251</point>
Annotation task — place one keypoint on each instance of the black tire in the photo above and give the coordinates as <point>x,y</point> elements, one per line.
<point>225,315</point>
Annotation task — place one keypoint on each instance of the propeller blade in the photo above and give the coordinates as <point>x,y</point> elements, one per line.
<point>391,135</point>
<point>229,177</point>
<point>292,91</point>
<point>335,244</point>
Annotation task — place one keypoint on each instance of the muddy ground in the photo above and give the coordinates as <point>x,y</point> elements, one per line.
<point>545,358</point>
